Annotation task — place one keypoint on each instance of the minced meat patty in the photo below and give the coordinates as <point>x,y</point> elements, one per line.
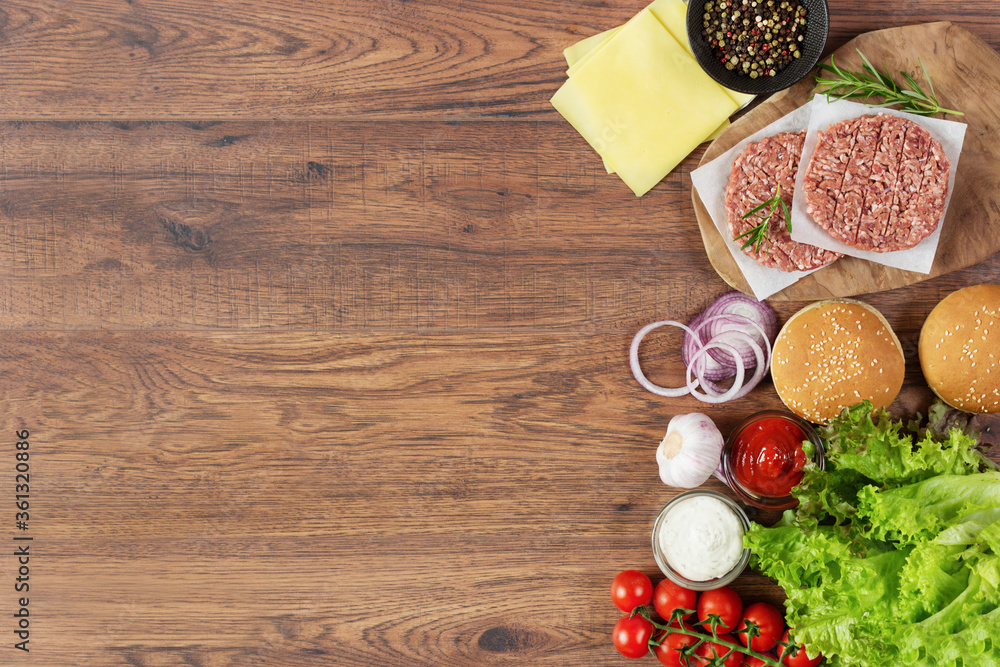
<point>755,177</point>
<point>877,182</point>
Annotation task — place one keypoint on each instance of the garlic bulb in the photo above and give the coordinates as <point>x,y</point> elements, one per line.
<point>690,451</point>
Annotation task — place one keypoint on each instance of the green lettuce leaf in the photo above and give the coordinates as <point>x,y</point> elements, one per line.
<point>885,451</point>
<point>893,555</point>
<point>871,449</point>
<point>928,604</point>
<point>919,512</point>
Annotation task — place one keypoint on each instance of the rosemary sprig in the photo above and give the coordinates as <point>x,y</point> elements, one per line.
<point>758,235</point>
<point>872,83</point>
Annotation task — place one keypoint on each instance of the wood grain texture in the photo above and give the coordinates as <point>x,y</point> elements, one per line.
<point>175,59</point>
<point>964,72</point>
<point>318,316</point>
<point>300,498</point>
<point>227,498</point>
<point>327,225</point>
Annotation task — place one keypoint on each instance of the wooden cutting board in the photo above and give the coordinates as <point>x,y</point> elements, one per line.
<point>966,76</point>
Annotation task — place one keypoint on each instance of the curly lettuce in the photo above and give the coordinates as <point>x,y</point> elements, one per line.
<point>893,555</point>
<point>866,449</point>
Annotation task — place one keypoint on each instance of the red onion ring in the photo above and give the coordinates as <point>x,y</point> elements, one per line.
<point>633,361</point>
<point>699,364</point>
<point>752,343</point>
<point>713,390</point>
<point>710,396</point>
<point>737,303</point>
<point>730,323</point>
<point>710,368</point>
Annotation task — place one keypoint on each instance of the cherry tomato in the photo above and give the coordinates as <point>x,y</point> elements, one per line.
<point>710,650</point>
<point>750,661</point>
<point>800,659</point>
<point>722,601</point>
<point>667,652</point>
<point>668,596</point>
<point>770,623</point>
<point>631,636</point>
<point>630,589</point>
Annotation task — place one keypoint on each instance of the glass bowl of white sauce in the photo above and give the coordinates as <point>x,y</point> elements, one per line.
<point>698,540</point>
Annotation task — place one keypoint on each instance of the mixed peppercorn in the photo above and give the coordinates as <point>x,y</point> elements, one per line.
<point>755,38</point>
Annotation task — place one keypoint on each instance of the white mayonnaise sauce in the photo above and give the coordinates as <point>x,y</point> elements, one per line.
<point>701,538</point>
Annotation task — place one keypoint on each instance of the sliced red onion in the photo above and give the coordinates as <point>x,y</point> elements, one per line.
<point>711,369</point>
<point>737,303</point>
<point>762,365</point>
<point>633,360</point>
<point>726,327</point>
<point>733,335</point>
<point>692,341</point>
<point>756,311</point>
<point>711,396</point>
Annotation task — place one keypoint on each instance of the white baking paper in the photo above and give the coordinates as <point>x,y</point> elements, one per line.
<point>805,230</point>
<point>710,181</point>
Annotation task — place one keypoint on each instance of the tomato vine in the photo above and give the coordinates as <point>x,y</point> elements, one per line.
<point>688,654</point>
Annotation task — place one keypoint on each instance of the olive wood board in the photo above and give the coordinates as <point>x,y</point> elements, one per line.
<point>965,72</point>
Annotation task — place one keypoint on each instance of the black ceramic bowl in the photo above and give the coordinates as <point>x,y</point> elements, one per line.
<point>817,29</point>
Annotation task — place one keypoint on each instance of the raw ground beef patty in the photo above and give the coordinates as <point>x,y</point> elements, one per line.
<point>755,177</point>
<point>877,182</point>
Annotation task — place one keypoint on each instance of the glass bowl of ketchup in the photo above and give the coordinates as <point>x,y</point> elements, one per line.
<point>763,457</point>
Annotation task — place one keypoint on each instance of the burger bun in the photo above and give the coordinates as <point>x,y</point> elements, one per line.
<point>959,349</point>
<point>833,354</point>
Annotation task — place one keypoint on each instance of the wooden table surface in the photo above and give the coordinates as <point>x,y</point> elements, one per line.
<point>318,316</point>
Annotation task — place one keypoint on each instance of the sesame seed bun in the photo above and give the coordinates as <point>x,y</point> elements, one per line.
<point>833,354</point>
<point>960,346</point>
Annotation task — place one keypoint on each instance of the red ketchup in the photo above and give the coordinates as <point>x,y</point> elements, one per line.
<point>768,458</point>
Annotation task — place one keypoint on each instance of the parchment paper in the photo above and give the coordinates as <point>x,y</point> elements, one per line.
<point>805,230</point>
<point>710,181</point>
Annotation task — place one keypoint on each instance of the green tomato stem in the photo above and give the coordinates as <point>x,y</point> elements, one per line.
<point>714,638</point>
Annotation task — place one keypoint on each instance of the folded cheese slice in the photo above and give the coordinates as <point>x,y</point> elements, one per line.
<point>574,53</point>
<point>579,52</point>
<point>672,14</point>
<point>642,102</point>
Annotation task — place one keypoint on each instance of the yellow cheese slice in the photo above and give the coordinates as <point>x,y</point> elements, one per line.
<point>712,137</point>
<point>575,52</point>
<point>672,14</point>
<point>667,12</point>
<point>584,57</point>
<point>642,102</point>
<point>718,131</point>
